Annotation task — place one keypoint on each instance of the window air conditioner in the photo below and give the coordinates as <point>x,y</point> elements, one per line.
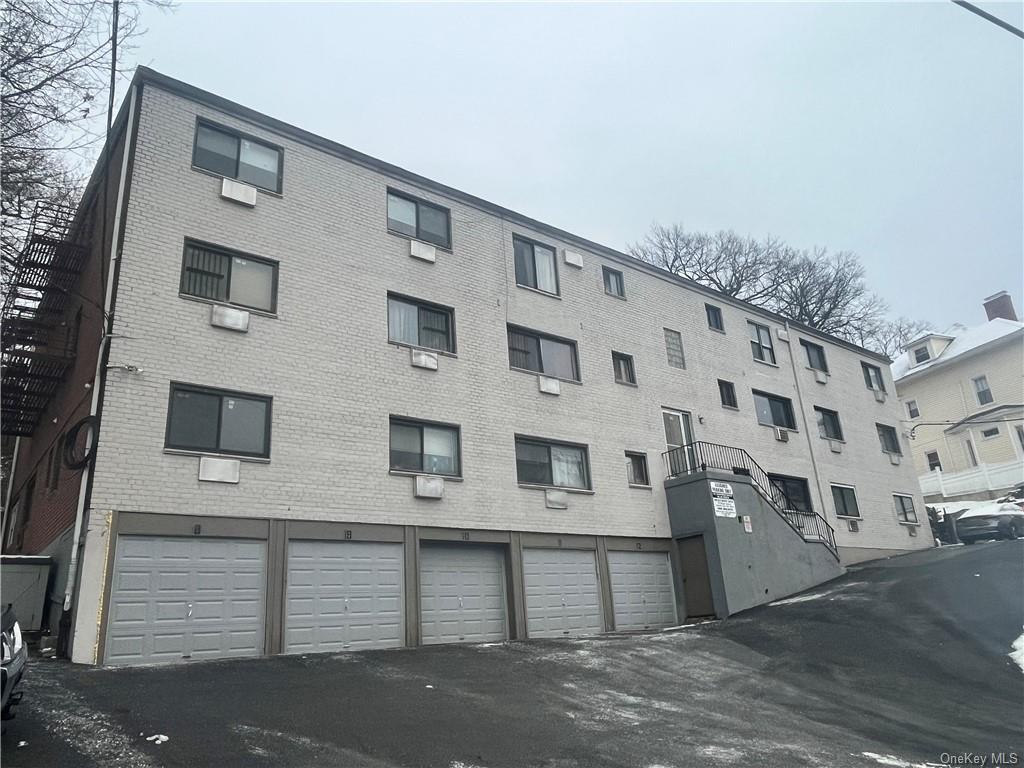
<point>782,434</point>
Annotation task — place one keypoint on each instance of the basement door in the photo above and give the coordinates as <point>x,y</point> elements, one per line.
<point>642,590</point>
<point>344,595</point>
<point>462,593</point>
<point>175,598</point>
<point>562,593</point>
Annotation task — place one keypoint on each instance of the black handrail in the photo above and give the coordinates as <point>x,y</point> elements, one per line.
<point>700,456</point>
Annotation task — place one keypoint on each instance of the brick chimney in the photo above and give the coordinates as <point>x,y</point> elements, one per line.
<point>1000,305</point>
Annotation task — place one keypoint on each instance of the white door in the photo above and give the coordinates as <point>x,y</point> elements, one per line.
<point>678,432</point>
<point>462,593</point>
<point>175,598</point>
<point>344,595</point>
<point>562,594</point>
<point>642,591</point>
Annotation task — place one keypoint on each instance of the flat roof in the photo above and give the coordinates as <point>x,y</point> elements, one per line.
<point>146,75</point>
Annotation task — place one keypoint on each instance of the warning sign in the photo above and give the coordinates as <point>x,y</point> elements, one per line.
<point>746,524</point>
<point>724,507</point>
<point>721,489</point>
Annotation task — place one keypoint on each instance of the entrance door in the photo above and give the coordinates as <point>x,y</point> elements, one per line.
<point>696,579</point>
<point>678,432</point>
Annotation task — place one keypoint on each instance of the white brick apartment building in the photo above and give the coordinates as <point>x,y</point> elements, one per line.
<point>394,333</point>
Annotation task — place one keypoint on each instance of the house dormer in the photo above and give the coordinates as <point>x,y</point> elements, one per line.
<point>926,348</point>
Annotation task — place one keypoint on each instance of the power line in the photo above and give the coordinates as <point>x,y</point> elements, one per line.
<point>989,17</point>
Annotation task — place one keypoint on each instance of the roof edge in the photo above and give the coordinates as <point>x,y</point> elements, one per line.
<point>940,363</point>
<point>145,74</point>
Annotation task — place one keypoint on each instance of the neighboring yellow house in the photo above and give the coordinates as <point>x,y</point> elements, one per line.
<point>963,401</point>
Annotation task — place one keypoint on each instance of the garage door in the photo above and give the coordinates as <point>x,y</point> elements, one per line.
<point>176,598</point>
<point>562,594</point>
<point>462,593</point>
<point>642,590</point>
<point>343,595</point>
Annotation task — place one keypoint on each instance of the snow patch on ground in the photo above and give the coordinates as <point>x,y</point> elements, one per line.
<point>263,742</point>
<point>817,595</point>
<point>1017,652</point>
<point>897,762</point>
<point>67,716</point>
<point>723,754</point>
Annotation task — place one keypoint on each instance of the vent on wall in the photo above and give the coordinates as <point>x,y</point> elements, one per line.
<point>912,530</point>
<point>853,525</point>
<point>782,435</point>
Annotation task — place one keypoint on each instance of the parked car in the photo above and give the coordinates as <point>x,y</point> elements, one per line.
<point>999,520</point>
<point>13,656</point>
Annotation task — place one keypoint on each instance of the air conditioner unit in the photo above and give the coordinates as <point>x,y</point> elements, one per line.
<point>853,525</point>
<point>821,377</point>
<point>238,192</point>
<point>782,333</point>
<point>573,259</point>
<point>216,470</point>
<point>548,385</point>
<point>422,359</point>
<point>782,434</point>
<point>894,458</point>
<point>835,446</point>
<point>556,499</point>
<point>879,395</point>
<point>422,251</point>
<point>428,487</point>
<point>230,318</point>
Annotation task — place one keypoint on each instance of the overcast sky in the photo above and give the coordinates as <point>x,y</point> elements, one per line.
<point>891,130</point>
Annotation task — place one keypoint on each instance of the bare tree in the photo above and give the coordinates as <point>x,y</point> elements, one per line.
<point>56,62</point>
<point>890,337</point>
<point>825,291</point>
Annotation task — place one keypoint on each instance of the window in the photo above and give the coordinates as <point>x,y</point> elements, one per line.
<point>845,499</point>
<point>550,355</point>
<point>905,508</point>
<point>219,421</point>
<point>727,393</point>
<point>218,274</point>
<point>912,409</point>
<point>982,390</point>
<point>972,457</point>
<point>613,282</point>
<point>761,343</point>
<point>774,411</point>
<point>542,462</point>
<point>815,355</point>
<point>624,371</point>
<point>535,265</point>
<point>417,218</point>
<point>636,468</point>
<point>889,439</point>
<point>988,434</point>
<point>674,348</point>
<point>714,314</point>
<point>828,424</point>
<point>678,431</point>
<point>418,446</point>
<point>227,153</point>
<point>933,461</point>
<point>921,354</point>
<point>797,495</point>
<point>873,377</point>
<point>420,324</point>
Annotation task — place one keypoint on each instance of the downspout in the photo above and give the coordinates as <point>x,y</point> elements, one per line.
<point>803,416</point>
<point>104,342</point>
<point>10,485</point>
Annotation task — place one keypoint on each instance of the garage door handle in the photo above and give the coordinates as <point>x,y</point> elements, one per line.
<point>189,611</point>
<point>460,602</point>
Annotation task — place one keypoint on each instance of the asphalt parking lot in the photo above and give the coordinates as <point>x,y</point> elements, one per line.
<point>894,664</point>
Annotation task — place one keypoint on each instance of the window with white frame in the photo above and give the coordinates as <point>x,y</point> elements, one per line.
<point>932,457</point>
<point>845,499</point>
<point>614,283</point>
<point>912,409</point>
<point>636,468</point>
<point>905,511</point>
<point>921,354</point>
<point>981,389</point>
<point>625,372</point>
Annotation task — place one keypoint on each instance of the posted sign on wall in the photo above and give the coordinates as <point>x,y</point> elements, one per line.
<point>724,507</point>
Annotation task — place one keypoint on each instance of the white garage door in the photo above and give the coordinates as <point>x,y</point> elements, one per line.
<point>343,595</point>
<point>462,593</point>
<point>562,594</point>
<point>642,590</point>
<point>175,598</point>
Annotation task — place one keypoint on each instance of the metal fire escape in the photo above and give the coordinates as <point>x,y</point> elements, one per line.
<point>35,355</point>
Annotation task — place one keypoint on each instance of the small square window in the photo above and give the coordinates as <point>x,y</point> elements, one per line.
<point>921,354</point>
<point>624,370</point>
<point>815,355</point>
<point>714,314</point>
<point>614,284</point>
<point>988,434</point>
<point>636,468</point>
<point>912,409</point>
<point>727,392</point>
<point>674,348</point>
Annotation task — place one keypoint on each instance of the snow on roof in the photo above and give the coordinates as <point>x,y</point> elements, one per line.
<point>968,340</point>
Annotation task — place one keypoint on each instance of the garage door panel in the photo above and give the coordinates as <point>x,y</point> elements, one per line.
<point>462,593</point>
<point>156,580</point>
<point>344,595</point>
<point>562,592</point>
<point>642,589</point>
